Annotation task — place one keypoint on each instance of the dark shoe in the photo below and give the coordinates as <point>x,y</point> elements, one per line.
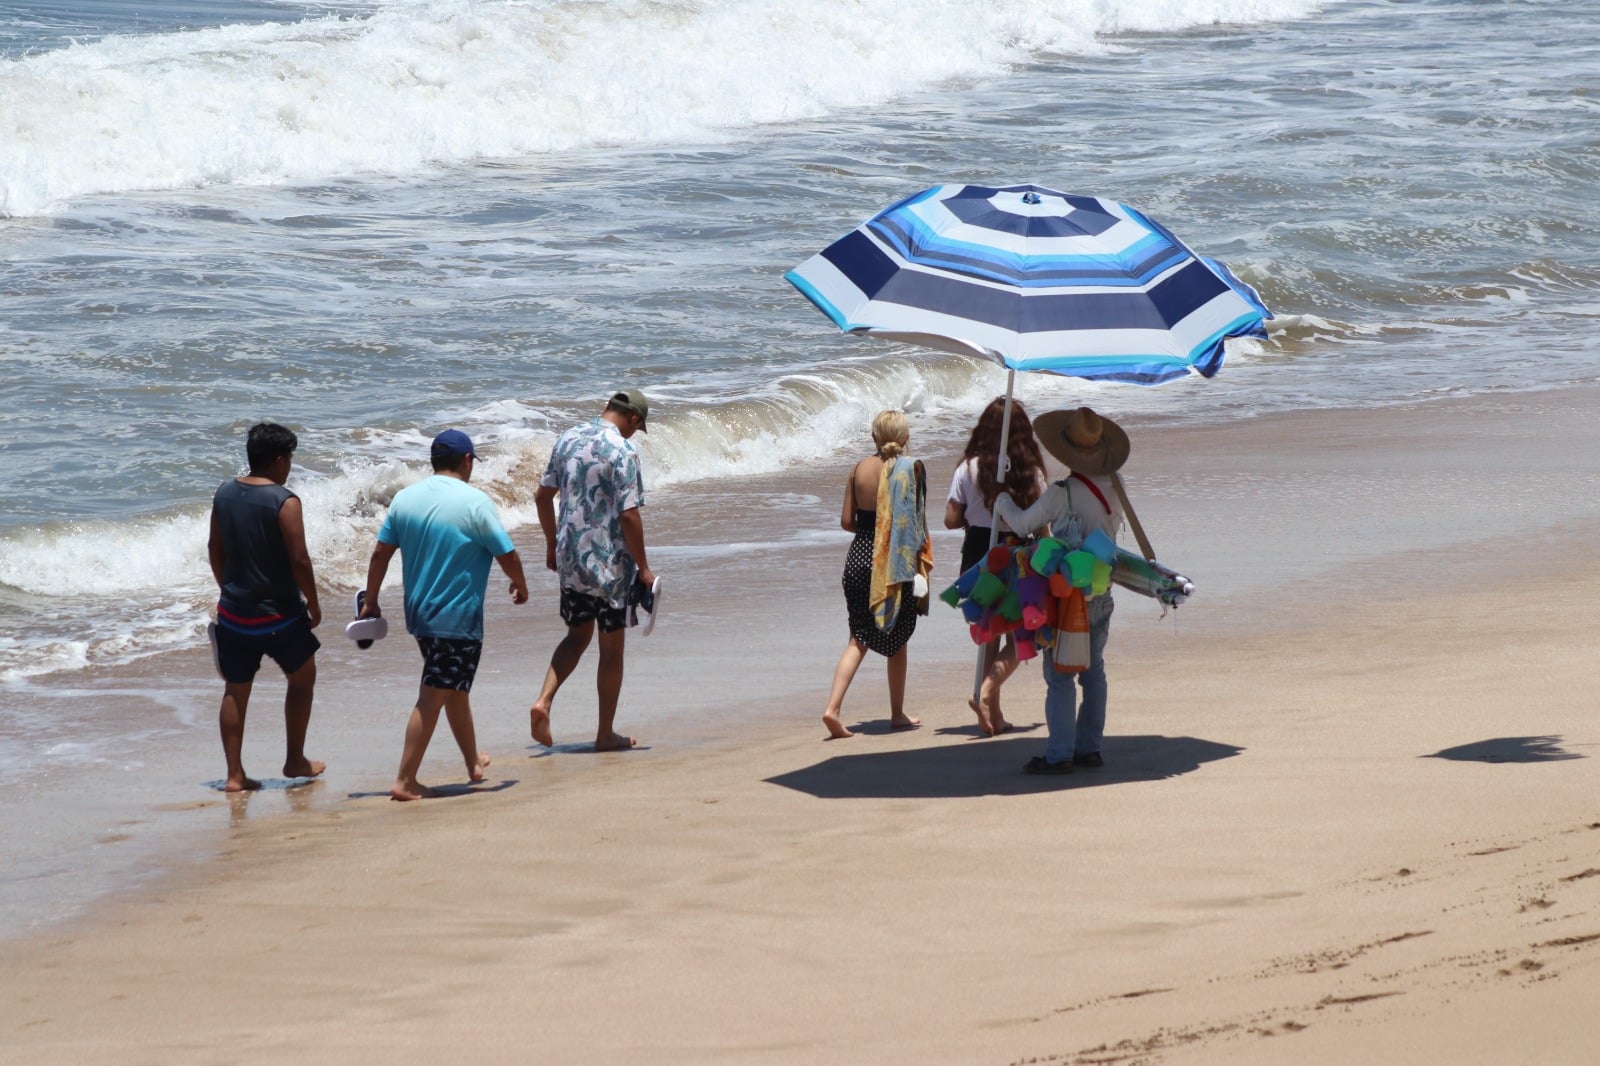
<point>1090,761</point>
<point>1038,765</point>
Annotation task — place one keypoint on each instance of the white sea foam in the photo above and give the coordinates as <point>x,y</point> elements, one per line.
<point>122,590</point>
<point>427,82</point>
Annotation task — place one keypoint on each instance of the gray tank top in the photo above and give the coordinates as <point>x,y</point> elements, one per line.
<point>256,577</point>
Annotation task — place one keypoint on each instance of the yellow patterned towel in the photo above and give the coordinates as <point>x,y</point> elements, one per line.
<point>901,547</point>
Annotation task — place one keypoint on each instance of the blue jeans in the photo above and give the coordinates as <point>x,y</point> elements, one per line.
<point>1061,694</point>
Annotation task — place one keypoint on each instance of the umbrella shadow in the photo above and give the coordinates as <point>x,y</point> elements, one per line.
<point>995,769</point>
<point>1508,749</point>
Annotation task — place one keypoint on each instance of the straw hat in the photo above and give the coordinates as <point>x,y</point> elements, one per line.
<point>1086,442</point>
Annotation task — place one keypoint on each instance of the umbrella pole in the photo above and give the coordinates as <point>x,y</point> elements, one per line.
<point>1002,466</point>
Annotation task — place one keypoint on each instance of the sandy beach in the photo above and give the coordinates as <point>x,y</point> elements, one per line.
<point>1348,814</point>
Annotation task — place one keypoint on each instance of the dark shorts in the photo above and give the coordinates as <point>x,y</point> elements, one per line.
<point>449,663</point>
<point>974,546</point>
<point>580,608</point>
<point>238,655</point>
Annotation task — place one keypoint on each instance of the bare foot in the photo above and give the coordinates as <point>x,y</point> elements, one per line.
<point>475,773</point>
<point>613,742</point>
<point>413,790</point>
<point>304,768</point>
<point>241,784</point>
<point>539,725</point>
<point>983,716</point>
<point>903,721</point>
<point>836,729</point>
<point>989,696</point>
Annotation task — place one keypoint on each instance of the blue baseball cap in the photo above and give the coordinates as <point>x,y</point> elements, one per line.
<point>452,442</point>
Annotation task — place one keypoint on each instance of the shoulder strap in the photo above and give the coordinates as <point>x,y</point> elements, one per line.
<point>1094,489</point>
<point>1133,519</point>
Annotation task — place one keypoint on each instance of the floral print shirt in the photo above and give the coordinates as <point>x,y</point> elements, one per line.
<point>597,474</point>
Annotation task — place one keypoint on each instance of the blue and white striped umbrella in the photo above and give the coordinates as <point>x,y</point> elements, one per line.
<point>1036,280</point>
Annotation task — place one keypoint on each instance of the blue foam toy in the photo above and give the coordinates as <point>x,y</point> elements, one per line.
<point>1101,546</point>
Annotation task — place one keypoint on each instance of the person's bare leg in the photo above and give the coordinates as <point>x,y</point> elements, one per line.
<point>979,703</point>
<point>562,662</point>
<point>898,719</point>
<point>608,682</point>
<point>230,720</point>
<point>458,712</point>
<point>297,718</point>
<point>989,694</point>
<point>419,730</point>
<point>843,674</point>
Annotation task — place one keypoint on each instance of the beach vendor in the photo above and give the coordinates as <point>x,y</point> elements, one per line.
<point>1093,448</point>
<point>447,532</point>
<point>267,603</point>
<point>885,501</point>
<point>596,547</point>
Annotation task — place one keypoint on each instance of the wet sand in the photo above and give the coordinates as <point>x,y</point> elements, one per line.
<point>1348,809</point>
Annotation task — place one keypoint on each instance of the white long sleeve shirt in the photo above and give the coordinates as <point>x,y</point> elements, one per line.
<point>1065,503</point>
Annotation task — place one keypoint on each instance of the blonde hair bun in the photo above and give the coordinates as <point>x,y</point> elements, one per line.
<point>890,432</point>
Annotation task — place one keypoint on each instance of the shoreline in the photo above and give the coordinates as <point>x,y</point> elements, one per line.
<point>1348,805</point>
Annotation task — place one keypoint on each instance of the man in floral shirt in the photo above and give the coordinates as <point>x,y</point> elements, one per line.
<point>597,547</point>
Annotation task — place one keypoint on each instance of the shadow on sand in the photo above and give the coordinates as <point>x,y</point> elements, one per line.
<point>994,769</point>
<point>268,784</point>
<point>539,751</point>
<point>444,791</point>
<point>1508,749</point>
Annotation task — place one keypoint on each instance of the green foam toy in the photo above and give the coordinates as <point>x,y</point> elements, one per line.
<point>1046,557</point>
<point>988,589</point>
<point>1101,581</point>
<point>1080,569</point>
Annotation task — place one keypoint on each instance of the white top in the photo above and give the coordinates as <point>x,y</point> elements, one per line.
<point>1064,503</point>
<point>964,490</point>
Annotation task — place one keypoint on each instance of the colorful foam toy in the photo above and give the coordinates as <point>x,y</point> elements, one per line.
<point>1039,594</point>
<point>1101,546</point>
<point>1080,569</point>
<point>1034,592</point>
<point>989,589</point>
<point>1047,556</point>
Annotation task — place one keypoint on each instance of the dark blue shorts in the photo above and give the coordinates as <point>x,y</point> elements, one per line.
<point>580,608</point>
<point>238,655</point>
<point>449,663</point>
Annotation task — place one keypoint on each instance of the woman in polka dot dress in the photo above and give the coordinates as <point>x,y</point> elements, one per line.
<point>890,433</point>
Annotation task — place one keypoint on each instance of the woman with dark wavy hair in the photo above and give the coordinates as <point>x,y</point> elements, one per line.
<point>970,506</point>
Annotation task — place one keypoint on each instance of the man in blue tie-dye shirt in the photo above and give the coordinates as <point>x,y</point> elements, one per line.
<point>596,546</point>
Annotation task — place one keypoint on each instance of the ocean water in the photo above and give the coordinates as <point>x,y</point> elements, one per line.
<point>370,221</point>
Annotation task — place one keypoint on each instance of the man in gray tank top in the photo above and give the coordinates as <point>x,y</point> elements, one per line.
<point>268,602</point>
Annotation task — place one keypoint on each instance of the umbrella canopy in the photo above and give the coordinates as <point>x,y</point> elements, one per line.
<point>1034,279</point>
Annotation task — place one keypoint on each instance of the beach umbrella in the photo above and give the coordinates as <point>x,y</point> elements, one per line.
<point>1033,279</point>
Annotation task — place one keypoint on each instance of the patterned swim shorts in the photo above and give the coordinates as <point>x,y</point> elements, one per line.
<point>580,608</point>
<point>448,663</point>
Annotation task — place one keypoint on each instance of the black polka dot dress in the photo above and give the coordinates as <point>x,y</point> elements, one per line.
<point>858,594</point>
